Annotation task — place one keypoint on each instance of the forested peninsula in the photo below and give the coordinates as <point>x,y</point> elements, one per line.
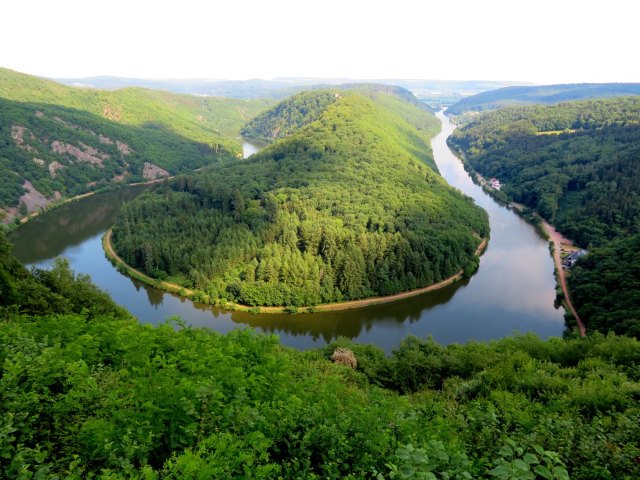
<point>346,203</point>
<point>578,165</point>
<point>57,142</point>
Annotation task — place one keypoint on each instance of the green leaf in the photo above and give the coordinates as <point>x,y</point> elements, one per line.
<point>560,473</point>
<point>506,451</point>
<point>542,471</point>
<point>521,465</point>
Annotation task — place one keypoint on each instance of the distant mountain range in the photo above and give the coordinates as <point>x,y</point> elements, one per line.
<point>541,94</point>
<point>278,88</point>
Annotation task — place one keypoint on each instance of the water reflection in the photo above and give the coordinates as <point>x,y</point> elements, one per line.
<point>514,288</point>
<point>251,146</point>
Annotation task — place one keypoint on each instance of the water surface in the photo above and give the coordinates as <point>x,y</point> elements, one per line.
<point>514,289</point>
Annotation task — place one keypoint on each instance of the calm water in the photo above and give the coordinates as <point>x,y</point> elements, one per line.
<point>513,290</point>
<point>251,146</point>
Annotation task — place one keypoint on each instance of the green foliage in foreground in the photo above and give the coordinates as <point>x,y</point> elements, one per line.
<point>583,176</point>
<point>87,392</point>
<point>344,208</point>
<point>116,399</point>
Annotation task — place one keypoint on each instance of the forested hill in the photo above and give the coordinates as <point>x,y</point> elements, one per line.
<point>86,391</point>
<point>211,120</point>
<point>306,107</point>
<point>289,115</point>
<point>57,141</point>
<point>345,207</point>
<point>544,94</point>
<point>578,165</point>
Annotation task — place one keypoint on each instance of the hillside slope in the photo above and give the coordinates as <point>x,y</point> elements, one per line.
<point>346,207</point>
<point>303,108</point>
<point>214,121</point>
<point>543,94</point>
<point>57,141</point>
<point>578,165</point>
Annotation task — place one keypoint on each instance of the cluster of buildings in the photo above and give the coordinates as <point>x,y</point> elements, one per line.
<point>570,260</point>
<point>495,183</point>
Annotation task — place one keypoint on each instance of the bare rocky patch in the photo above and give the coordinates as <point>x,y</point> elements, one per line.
<point>17,133</point>
<point>88,154</point>
<point>112,113</point>
<point>123,148</point>
<point>151,171</point>
<point>54,167</point>
<point>105,140</point>
<point>32,198</point>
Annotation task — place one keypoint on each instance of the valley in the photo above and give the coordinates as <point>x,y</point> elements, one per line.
<point>497,301</point>
<point>319,241</point>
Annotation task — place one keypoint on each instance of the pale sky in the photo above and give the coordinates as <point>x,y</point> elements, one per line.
<point>543,41</point>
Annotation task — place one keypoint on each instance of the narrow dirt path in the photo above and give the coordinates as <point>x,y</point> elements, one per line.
<point>557,239</point>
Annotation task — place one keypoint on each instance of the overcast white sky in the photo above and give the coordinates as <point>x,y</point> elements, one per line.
<point>543,41</point>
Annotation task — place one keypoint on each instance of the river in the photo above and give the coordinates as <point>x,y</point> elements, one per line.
<point>513,290</point>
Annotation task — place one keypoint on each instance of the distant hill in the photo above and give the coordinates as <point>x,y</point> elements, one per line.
<point>544,94</point>
<point>203,119</point>
<point>435,92</point>
<point>248,89</point>
<point>346,203</point>
<point>57,141</point>
<point>306,107</point>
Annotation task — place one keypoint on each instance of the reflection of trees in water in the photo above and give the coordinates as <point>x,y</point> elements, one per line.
<point>349,323</point>
<point>50,234</point>
<point>154,295</point>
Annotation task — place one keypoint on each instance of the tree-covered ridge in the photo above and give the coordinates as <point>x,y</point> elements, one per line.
<point>88,392</point>
<point>68,152</point>
<point>289,115</point>
<point>346,207</point>
<point>578,165</point>
<point>575,163</point>
<point>306,107</point>
<point>541,94</point>
<point>213,121</point>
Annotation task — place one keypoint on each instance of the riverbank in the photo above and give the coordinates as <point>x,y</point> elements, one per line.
<point>559,243</point>
<point>327,307</point>
<point>555,238</point>
<point>558,240</point>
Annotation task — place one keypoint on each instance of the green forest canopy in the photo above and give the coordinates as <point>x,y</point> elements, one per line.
<point>73,140</point>
<point>88,392</point>
<point>345,207</point>
<point>578,165</point>
<point>210,120</point>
